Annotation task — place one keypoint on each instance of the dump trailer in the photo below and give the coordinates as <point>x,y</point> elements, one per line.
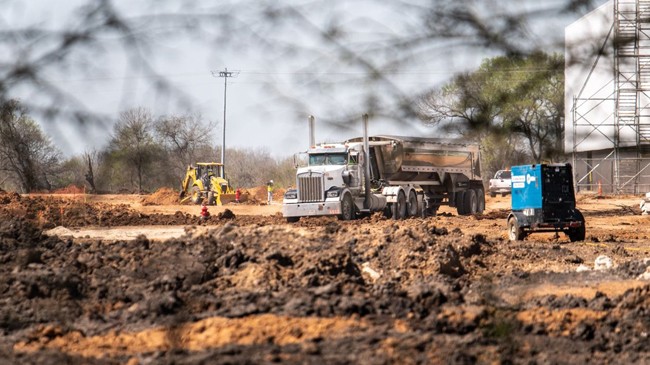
<point>205,183</point>
<point>543,200</point>
<point>399,176</point>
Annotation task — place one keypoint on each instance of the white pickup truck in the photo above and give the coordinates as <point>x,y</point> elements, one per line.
<point>500,184</point>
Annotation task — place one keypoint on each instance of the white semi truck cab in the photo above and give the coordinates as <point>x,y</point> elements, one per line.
<point>399,176</point>
<point>330,184</point>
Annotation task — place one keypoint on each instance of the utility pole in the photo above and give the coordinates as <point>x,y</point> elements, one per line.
<point>225,74</point>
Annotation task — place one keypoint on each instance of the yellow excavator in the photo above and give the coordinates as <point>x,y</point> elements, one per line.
<point>206,182</point>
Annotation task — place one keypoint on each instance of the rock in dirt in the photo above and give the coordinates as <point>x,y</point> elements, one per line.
<point>59,231</point>
<point>602,262</point>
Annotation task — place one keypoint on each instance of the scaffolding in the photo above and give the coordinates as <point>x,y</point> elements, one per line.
<point>625,167</point>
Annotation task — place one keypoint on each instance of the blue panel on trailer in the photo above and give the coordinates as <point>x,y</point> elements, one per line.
<point>526,187</point>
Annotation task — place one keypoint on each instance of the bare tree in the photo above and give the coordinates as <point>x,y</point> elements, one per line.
<point>90,159</point>
<point>25,152</point>
<point>184,137</point>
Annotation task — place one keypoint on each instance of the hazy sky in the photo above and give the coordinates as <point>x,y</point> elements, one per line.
<point>259,111</point>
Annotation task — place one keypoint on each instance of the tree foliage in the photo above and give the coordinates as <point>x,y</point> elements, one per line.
<point>27,155</point>
<point>133,147</point>
<point>513,103</point>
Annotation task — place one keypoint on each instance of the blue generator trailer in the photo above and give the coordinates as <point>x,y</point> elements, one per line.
<point>543,200</point>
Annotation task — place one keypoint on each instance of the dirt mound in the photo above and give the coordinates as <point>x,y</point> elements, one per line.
<point>70,189</point>
<point>259,194</point>
<point>338,292</point>
<point>162,196</point>
<point>254,289</point>
<point>47,213</point>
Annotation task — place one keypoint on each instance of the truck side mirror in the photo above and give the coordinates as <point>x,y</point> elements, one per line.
<point>300,159</point>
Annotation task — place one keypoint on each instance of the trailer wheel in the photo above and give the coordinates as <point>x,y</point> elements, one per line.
<point>515,233</point>
<point>399,207</point>
<point>196,195</point>
<point>292,219</point>
<point>347,208</point>
<point>459,199</point>
<point>480,194</point>
<point>577,234</point>
<point>470,202</point>
<point>413,204</point>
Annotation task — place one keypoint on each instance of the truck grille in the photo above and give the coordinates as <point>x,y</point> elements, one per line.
<point>310,187</point>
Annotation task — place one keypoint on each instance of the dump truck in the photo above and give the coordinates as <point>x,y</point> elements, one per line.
<point>205,183</point>
<point>543,200</point>
<point>399,176</point>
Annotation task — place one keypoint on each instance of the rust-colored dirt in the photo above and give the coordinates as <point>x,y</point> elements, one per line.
<point>250,288</point>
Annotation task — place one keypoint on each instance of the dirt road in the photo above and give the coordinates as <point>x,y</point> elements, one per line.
<point>246,287</point>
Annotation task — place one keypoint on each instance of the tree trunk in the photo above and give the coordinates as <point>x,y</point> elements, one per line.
<point>90,176</point>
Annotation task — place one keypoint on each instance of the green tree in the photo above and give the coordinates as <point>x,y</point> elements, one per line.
<point>506,101</point>
<point>133,148</point>
<point>27,155</point>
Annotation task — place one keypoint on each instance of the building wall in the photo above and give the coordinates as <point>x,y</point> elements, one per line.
<point>594,167</point>
<point>590,78</point>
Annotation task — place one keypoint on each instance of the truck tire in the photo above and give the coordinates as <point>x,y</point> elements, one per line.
<point>347,208</point>
<point>197,198</point>
<point>412,204</point>
<point>470,202</point>
<point>292,219</point>
<point>492,195</point>
<point>480,194</point>
<point>459,201</point>
<point>211,199</point>
<point>515,233</point>
<point>399,207</point>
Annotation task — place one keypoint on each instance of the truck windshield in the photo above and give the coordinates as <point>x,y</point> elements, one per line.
<point>327,159</point>
<point>504,174</point>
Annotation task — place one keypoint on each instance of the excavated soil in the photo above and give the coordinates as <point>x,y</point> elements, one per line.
<point>254,289</point>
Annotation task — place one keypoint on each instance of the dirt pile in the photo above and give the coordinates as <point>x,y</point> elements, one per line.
<point>47,212</point>
<point>369,291</point>
<point>259,194</point>
<point>162,196</point>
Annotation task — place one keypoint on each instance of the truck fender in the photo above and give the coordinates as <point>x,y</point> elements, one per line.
<point>390,192</point>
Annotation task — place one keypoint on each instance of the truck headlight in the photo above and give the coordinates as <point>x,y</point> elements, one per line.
<point>291,194</point>
<point>333,193</point>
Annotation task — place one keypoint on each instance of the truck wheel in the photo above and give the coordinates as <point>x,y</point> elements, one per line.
<point>413,204</point>
<point>292,219</point>
<point>515,233</point>
<point>399,207</point>
<point>577,234</point>
<point>492,195</point>
<point>196,195</point>
<point>480,194</point>
<point>347,208</point>
<point>459,201</point>
<point>470,202</point>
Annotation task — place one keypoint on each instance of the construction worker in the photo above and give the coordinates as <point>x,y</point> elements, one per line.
<point>269,189</point>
